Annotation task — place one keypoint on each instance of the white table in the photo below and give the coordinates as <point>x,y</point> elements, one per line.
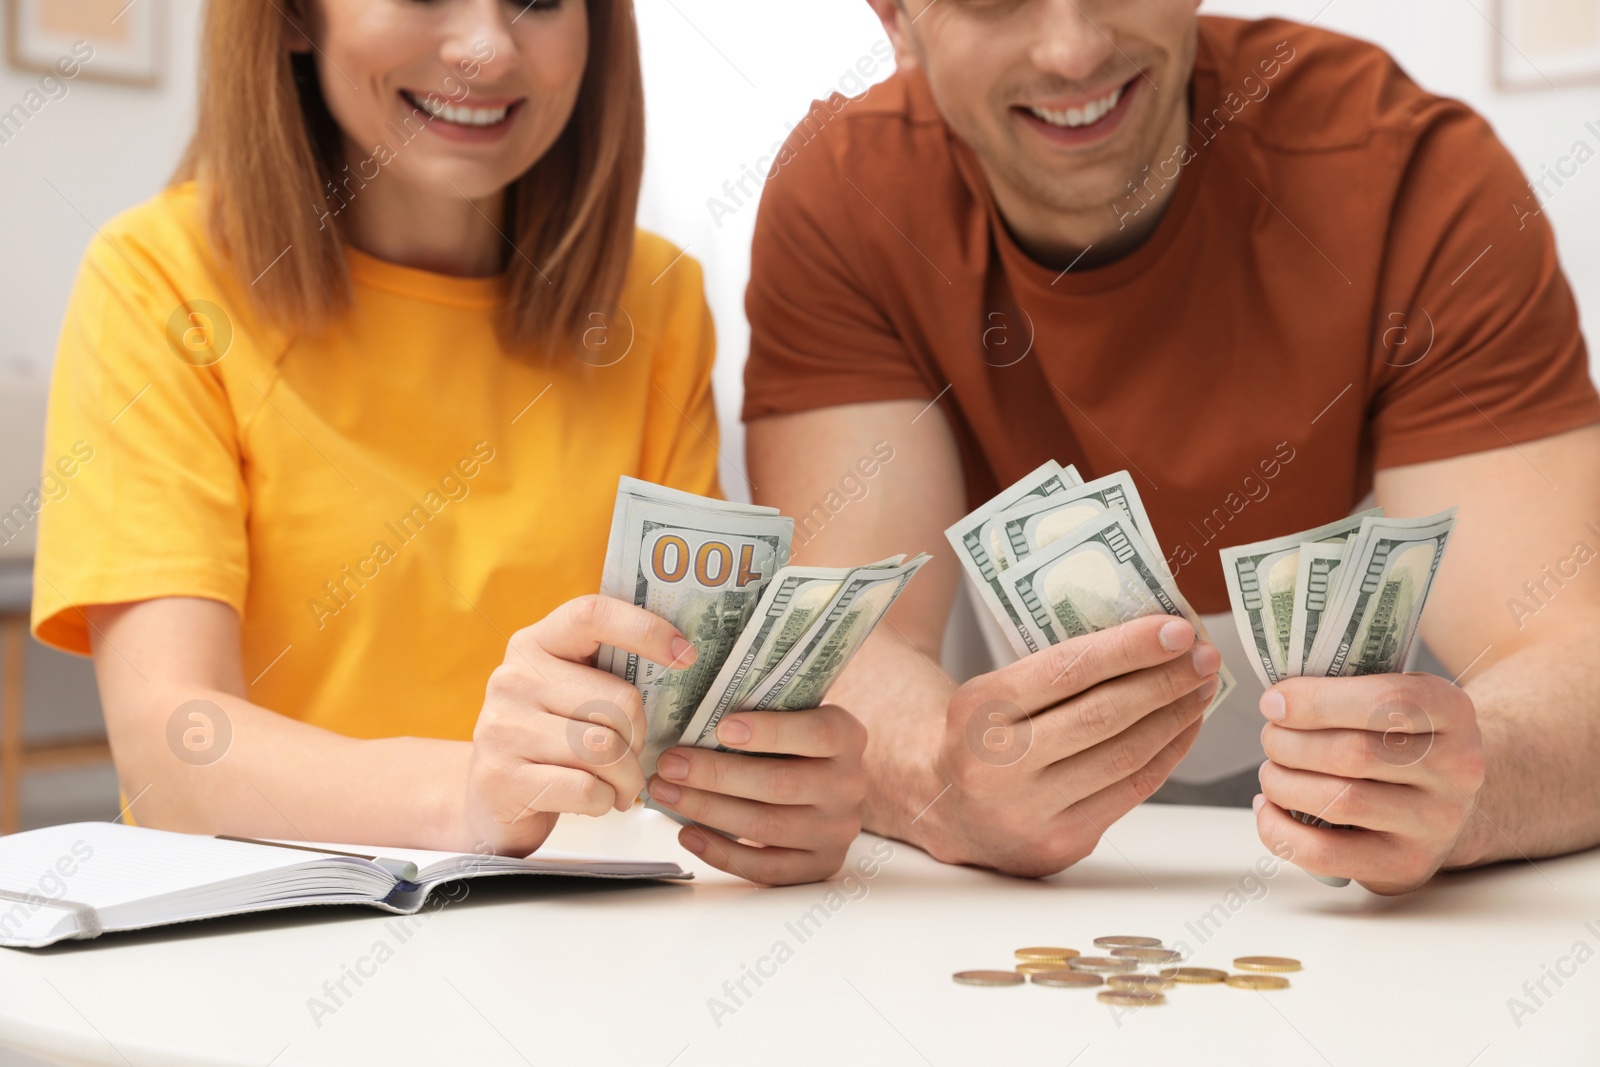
<point>556,973</point>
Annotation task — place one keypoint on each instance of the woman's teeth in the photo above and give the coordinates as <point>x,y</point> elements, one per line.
<point>1087,115</point>
<point>461,116</point>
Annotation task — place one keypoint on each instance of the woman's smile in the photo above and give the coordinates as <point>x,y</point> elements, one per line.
<point>469,120</point>
<point>481,113</point>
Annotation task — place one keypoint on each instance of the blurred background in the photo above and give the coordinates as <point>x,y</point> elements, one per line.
<point>725,79</point>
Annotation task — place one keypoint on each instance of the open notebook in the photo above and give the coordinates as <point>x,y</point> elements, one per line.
<point>82,879</point>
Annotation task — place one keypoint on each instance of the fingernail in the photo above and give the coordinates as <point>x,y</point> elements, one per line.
<point>1208,688</point>
<point>1272,705</point>
<point>1206,659</point>
<point>665,791</point>
<point>733,732</point>
<point>1176,635</point>
<point>693,840</point>
<point>672,765</point>
<point>683,653</point>
<point>1260,799</point>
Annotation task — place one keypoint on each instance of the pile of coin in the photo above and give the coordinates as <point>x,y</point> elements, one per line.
<point>1119,969</point>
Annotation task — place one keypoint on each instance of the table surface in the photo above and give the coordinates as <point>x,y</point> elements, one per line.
<point>853,971</point>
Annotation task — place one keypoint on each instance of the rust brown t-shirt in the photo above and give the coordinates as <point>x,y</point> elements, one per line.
<point>1351,274</point>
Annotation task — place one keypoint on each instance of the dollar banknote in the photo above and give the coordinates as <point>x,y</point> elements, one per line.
<point>811,667</point>
<point>1353,592</point>
<point>1029,526</point>
<point>764,631</point>
<point>701,566</point>
<point>1261,586</point>
<point>979,553</point>
<point>796,599</point>
<point>808,625</point>
<point>1316,581</point>
<point>1383,585</point>
<point>633,493</point>
<point>1098,576</point>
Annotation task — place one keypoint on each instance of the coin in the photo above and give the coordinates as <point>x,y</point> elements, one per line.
<point>1258,981</point>
<point>1102,965</point>
<point>1129,998</point>
<point>992,978</point>
<point>1194,975</point>
<point>1046,954</point>
<point>1266,963</point>
<point>1139,983</point>
<point>1067,979</point>
<point>1146,956</point>
<point>1121,941</point>
<point>1040,966</point>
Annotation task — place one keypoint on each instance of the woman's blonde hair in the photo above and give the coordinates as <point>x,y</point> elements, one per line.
<point>266,150</point>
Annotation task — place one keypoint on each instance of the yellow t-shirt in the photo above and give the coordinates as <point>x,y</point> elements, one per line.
<point>384,505</point>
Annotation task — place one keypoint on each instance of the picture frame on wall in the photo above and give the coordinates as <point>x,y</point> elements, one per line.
<point>1546,44</point>
<point>122,38</point>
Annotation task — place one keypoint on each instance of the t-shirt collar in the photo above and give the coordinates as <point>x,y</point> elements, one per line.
<point>447,289</point>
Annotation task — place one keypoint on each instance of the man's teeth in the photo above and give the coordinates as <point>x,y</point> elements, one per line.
<point>464,116</point>
<point>1087,115</point>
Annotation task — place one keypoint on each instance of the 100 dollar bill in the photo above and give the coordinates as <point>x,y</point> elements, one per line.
<point>1034,524</point>
<point>1261,586</point>
<point>1099,576</point>
<point>703,572</point>
<point>1384,583</point>
<point>622,544</point>
<point>1316,582</point>
<point>794,601</point>
<point>979,558</point>
<point>812,666</point>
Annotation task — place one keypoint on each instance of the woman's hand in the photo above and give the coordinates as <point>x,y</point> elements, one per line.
<point>799,813</point>
<point>556,733</point>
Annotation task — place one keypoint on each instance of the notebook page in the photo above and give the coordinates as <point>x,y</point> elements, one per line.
<point>104,864</point>
<point>110,868</point>
<point>434,865</point>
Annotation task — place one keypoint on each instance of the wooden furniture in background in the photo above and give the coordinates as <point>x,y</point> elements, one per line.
<point>11,722</point>
<point>18,758</point>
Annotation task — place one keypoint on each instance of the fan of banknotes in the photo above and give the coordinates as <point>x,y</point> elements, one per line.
<point>770,637</point>
<point>1054,557</point>
<point>1343,599</point>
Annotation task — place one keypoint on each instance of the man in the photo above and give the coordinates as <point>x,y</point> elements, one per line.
<point>1258,267</point>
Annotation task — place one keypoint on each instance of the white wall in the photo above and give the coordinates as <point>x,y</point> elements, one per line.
<point>724,79</point>
<point>103,148</point>
<point>80,159</point>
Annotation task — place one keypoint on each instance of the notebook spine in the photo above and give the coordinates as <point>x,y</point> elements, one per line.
<point>88,920</point>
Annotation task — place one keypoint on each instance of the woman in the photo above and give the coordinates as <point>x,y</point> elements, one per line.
<point>357,390</point>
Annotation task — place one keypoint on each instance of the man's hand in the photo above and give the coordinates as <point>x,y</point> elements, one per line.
<point>1041,756</point>
<point>1398,755</point>
<point>799,814</point>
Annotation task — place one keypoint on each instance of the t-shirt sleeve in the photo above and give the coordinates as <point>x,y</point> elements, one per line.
<point>154,504</point>
<point>681,433</point>
<point>1477,344</point>
<point>818,335</point>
